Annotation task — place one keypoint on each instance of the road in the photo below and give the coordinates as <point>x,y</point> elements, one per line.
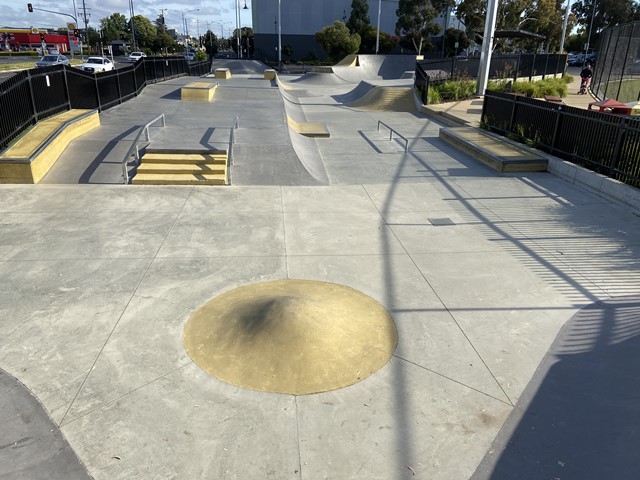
<point>119,62</point>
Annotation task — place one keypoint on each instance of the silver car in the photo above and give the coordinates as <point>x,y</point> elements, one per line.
<point>49,60</point>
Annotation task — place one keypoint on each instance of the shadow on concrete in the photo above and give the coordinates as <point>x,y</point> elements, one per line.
<point>578,418</point>
<point>93,166</point>
<point>31,444</point>
<point>174,95</point>
<point>207,136</point>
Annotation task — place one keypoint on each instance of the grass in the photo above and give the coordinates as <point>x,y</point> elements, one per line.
<point>26,65</point>
<point>629,90</point>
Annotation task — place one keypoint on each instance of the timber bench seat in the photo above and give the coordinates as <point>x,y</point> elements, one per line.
<point>31,157</point>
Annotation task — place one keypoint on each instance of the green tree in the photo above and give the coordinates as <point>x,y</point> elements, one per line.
<point>287,50</point>
<point>93,37</point>
<point>160,24</point>
<point>210,43</point>
<point>359,18</point>
<point>453,36</point>
<point>247,37</point>
<point>114,27</point>
<point>145,31</point>
<point>337,41</point>
<point>163,42</point>
<point>368,41</point>
<point>607,14</point>
<point>415,21</point>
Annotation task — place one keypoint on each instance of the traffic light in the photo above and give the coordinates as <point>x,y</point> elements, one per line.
<point>76,33</point>
<point>42,37</point>
<point>30,7</point>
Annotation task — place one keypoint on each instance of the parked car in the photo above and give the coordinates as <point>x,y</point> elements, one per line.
<point>96,64</point>
<point>54,51</point>
<point>189,56</point>
<point>49,60</point>
<point>135,56</point>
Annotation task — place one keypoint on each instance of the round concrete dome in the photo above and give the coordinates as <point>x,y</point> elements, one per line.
<point>291,336</point>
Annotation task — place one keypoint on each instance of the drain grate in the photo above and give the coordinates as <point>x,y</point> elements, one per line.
<point>439,222</point>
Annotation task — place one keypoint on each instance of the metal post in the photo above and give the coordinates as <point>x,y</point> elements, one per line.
<point>564,26</point>
<point>378,28</point>
<point>279,35</point>
<point>487,46</point>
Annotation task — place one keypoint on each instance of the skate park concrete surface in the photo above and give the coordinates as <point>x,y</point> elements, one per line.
<point>514,297</point>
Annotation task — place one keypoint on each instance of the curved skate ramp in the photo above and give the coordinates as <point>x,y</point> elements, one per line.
<point>388,99</point>
<point>315,78</point>
<point>378,67</point>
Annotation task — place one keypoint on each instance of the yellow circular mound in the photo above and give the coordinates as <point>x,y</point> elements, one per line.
<point>291,336</point>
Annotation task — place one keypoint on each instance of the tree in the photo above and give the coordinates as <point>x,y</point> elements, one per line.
<point>337,41</point>
<point>114,27</point>
<point>368,41</point>
<point>415,21</point>
<point>93,37</point>
<point>359,18</point>
<point>210,42</point>
<point>246,37</point>
<point>453,36</point>
<point>145,31</point>
<point>607,13</point>
<point>287,50</point>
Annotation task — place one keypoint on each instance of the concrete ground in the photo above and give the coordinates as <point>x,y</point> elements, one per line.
<point>480,271</point>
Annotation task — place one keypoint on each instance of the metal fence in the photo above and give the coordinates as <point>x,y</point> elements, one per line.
<point>31,95</point>
<point>605,143</point>
<point>517,66</point>
<point>617,69</point>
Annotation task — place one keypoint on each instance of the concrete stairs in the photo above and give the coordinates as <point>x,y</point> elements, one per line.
<point>182,167</point>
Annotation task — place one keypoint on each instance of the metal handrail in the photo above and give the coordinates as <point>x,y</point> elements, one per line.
<point>391,132</point>
<point>232,140</point>
<point>133,149</point>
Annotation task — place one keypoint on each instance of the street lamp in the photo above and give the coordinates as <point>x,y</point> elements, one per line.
<point>185,28</point>
<point>279,36</point>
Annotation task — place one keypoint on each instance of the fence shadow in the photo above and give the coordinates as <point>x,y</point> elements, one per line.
<point>578,417</point>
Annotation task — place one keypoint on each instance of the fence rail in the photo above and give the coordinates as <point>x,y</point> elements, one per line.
<point>605,143</point>
<point>502,67</point>
<point>32,95</point>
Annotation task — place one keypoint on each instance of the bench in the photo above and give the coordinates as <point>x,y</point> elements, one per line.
<point>224,73</point>
<point>31,157</point>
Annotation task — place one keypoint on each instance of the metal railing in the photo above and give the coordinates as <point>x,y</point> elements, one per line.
<point>605,143</point>
<point>232,140</point>
<point>391,132</point>
<point>134,150</point>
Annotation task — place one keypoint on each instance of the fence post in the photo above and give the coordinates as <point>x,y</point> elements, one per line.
<point>626,55</point>
<point>66,85</point>
<point>513,112</point>
<point>119,88</point>
<point>555,129</point>
<point>515,77</point>
<point>546,65</point>
<point>533,68</point>
<point>616,150</point>
<point>32,97</point>
<point>95,82</point>
<point>135,76</point>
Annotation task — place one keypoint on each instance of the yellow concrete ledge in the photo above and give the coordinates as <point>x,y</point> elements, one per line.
<point>198,91</point>
<point>223,73</point>
<point>31,157</point>
<point>309,129</point>
<point>269,74</point>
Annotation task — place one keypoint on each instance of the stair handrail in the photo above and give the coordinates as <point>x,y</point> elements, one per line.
<point>391,132</point>
<point>232,140</point>
<point>134,150</point>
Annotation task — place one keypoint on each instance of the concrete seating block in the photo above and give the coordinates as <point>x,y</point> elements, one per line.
<point>223,73</point>
<point>269,74</point>
<point>198,91</point>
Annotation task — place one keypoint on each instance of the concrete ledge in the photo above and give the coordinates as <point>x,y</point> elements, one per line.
<point>309,129</point>
<point>198,91</point>
<point>437,112</point>
<point>224,73</point>
<point>269,74</point>
<point>494,151</point>
<point>32,156</point>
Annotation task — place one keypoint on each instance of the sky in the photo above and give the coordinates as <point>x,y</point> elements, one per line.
<point>219,13</point>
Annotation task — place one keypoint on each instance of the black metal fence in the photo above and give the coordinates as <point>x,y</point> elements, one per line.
<point>513,67</point>
<point>605,143</point>
<point>31,95</point>
<point>617,69</point>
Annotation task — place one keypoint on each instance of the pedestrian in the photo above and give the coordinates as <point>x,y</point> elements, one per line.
<point>585,75</point>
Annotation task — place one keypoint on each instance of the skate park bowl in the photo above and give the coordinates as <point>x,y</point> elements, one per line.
<point>295,337</point>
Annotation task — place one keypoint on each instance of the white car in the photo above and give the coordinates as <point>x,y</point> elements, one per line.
<point>96,64</point>
<point>135,56</point>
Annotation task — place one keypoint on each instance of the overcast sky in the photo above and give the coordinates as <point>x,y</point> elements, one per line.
<point>14,13</point>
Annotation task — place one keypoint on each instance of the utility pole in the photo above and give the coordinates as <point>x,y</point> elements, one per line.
<point>133,27</point>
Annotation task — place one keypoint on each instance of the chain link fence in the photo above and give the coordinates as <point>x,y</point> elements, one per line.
<point>617,70</point>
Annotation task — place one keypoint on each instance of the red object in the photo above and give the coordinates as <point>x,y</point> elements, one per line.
<point>611,106</point>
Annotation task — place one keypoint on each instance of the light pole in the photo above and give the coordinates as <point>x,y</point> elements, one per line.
<point>586,50</point>
<point>185,28</point>
<point>378,28</point>
<point>564,26</point>
<point>279,36</point>
<point>487,46</point>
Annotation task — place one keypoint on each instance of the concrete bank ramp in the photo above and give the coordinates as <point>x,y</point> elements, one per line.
<point>379,67</point>
<point>388,99</point>
<point>240,67</point>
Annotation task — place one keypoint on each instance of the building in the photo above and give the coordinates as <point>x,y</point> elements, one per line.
<point>17,39</point>
<point>302,19</point>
